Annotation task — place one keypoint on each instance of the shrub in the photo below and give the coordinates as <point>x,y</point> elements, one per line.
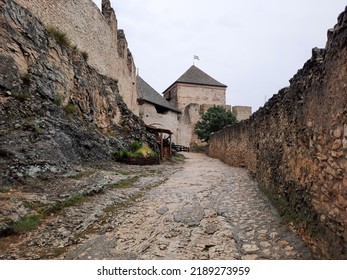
<point>58,100</point>
<point>71,108</point>
<point>146,151</point>
<point>137,150</point>
<point>135,146</point>
<point>22,96</point>
<point>214,119</point>
<point>137,154</point>
<point>60,37</point>
<point>35,127</point>
<point>121,154</point>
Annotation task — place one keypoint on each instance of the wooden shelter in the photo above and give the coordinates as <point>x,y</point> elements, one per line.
<point>164,143</point>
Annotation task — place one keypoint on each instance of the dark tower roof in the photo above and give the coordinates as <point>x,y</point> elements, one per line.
<point>146,93</point>
<point>198,77</point>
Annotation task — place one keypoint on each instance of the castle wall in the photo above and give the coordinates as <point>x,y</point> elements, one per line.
<point>242,112</point>
<point>187,94</point>
<point>296,147</point>
<point>193,100</point>
<point>168,120</point>
<point>92,32</point>
<point>187,121</point>
<point>126,73</point>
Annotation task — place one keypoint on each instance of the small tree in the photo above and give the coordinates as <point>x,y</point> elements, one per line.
<point>214,119</point>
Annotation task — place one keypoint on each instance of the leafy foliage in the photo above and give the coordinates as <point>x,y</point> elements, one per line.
<point>137,150</point>
<point>134,146</point>
<point>214,119</point>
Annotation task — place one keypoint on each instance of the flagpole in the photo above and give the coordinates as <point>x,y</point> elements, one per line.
<point>195,57</point>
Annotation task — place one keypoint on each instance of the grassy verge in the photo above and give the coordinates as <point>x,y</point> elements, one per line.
<point>31,222</point>
<point>126,183</point>
<point>26,223</point>
<point>69,202</point>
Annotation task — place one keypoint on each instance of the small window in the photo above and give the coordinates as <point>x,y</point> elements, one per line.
<point>168,96</point>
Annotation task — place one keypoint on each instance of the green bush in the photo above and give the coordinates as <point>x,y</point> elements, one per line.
<point>137,150</point>
<point>58,100</point>
<point>136,145</point>
<point>137,154</point>
<point>121,154</point>
<point>213,120</point>
<point>60,37</point>
<point>71,108</point>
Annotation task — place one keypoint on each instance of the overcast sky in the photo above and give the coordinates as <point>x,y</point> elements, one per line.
<point>252,46</point>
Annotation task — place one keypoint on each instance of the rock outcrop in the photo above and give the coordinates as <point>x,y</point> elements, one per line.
<point>296,147</point>
<point>55,110</point>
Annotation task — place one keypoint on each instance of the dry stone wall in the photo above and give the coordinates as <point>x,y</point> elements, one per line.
<point>95,33</point>
<point>296,147</point>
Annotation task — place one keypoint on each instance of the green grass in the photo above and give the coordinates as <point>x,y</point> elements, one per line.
<point>71,201</point>
<point>35,127</point>
<point>32,205</point>
<point>122,172</point>
<point>71,108</point>
<point>26,223</point>
<point>126,183</point>
<point>59,36</point>
<point>81,175</point>
<point>31,222</point>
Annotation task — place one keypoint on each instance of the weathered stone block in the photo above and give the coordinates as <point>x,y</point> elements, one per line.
<point>337,144</point>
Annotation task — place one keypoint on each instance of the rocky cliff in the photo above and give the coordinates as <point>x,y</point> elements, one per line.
<point>296,147</point>
<point>55,110</point>
<point>96,33</point>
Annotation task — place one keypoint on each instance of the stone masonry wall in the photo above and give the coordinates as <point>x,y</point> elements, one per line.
<point>93,32</point>
<point>296,147</point>
<point>242,112</point>
<point>192,100</point>
<point>150,116</point>
<point>187,94</point>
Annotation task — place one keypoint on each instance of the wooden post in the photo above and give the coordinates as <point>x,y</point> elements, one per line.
<point>161,146</point>
<point>170,145</point>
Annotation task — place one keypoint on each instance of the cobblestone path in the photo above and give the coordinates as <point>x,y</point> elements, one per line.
<point>206,210</point>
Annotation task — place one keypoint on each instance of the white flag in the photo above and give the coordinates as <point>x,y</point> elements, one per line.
<point>196,57</point>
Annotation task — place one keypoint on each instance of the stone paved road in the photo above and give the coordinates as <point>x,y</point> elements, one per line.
<point>206,210</point>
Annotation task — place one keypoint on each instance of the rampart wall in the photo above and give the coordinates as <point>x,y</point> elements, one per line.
<point>296,147</point>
